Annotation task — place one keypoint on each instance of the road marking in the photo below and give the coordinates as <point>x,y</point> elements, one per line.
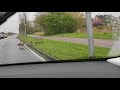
<point>35,53</point>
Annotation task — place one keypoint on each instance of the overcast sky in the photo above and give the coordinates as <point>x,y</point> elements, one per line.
<point>12,24</point>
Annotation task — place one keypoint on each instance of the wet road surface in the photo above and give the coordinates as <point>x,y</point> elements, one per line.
<point>10,53</point>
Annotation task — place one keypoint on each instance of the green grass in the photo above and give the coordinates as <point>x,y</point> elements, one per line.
<point>97,35</point>
<point>64,50</point>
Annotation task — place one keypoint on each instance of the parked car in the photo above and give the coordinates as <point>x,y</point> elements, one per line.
<point>3,35</point>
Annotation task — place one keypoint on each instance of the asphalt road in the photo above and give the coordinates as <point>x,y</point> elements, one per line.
<point>10,53</point>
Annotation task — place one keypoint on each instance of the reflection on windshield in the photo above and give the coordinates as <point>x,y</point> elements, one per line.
<point>52,36</point>
<point>2,13</point>
<point>115,50</point>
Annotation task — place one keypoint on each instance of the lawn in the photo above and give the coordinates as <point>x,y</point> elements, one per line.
<point>64,50</point>
<point>97,35</point>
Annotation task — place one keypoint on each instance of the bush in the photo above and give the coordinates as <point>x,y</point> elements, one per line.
<point>59,22</point>
<point>80,18</point>
<point>39,22</point>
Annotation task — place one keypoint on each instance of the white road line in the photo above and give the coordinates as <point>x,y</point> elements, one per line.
<point>35,54</point>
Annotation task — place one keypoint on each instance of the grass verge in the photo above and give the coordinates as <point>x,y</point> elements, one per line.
<point>63,50</point>
<point>97,35</point>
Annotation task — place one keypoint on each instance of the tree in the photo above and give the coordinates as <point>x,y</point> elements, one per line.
<point>25,26</point>
<point>39,22</point>
<point>21,24</point>
<point>97,21</point>
<point>60,22</point>
<point>29,27</point>
<point>106,19</point>
<point>116,27</point>
<point>80,18</point>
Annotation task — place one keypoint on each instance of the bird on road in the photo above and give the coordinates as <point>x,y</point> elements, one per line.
<point>21,44</point>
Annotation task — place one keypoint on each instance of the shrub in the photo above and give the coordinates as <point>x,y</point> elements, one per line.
<point>59,22</point>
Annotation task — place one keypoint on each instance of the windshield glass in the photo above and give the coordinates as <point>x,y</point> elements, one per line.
<point>2,13</point>
<point>59,36</point>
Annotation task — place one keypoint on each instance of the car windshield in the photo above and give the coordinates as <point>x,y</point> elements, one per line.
<point>59,36</point>
<point>2,13</point>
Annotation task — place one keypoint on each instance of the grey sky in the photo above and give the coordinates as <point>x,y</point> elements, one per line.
<point>12,24</point>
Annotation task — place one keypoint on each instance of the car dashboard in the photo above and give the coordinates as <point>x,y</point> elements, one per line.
<point>90,69</point>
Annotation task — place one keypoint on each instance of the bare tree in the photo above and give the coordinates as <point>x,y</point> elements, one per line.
<point>22,23</point>
<point>21,27</point>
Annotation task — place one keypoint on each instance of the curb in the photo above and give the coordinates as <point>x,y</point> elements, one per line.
<point>42,54</point>
<point>35,53</point>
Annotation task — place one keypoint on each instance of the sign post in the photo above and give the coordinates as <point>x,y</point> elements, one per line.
<point>90,34</point>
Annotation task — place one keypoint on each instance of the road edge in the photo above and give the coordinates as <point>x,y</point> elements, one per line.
<point>34,53</point>
<point>42,54</point>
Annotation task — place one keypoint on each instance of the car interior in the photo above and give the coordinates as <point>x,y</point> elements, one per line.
<point>107,67</point>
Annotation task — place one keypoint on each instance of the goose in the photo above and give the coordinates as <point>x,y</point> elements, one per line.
<point>21,44</point>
